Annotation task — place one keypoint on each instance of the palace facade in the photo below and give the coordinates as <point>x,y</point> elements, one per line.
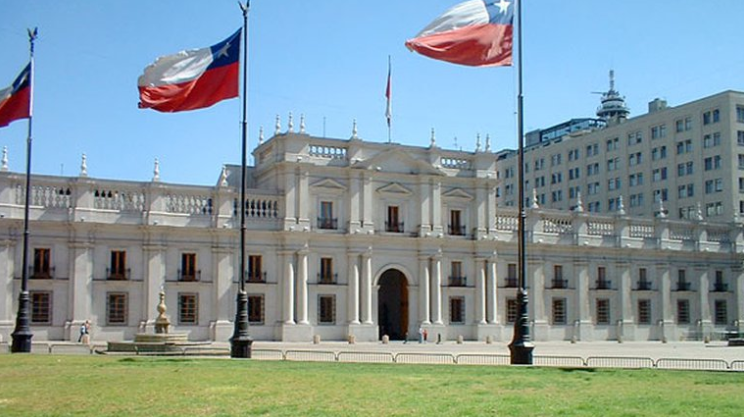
<point>348,237</point>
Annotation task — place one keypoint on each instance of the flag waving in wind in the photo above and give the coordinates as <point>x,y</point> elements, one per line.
<point>476,33</point>
<point>15,101</point>
<point>389,94</point>
<point>193,79</point>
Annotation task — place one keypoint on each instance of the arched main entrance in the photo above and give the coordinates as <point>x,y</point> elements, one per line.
<point>392,305</point>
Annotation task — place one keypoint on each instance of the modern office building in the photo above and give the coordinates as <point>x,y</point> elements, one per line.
<point>348,237</point>
<point>686,160</point>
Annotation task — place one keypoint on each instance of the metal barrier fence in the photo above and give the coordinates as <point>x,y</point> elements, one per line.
<point>421,358</point>
<point>627,362</point>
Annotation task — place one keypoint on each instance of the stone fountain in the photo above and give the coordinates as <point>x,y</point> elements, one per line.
<point>160,342</point>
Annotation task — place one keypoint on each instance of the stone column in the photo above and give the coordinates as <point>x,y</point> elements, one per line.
<point>81,287</point>
<point>491,292</point>
<point>353,290</point>
<point>290,204</point>
<point>665,305</point>
<point>436,289</point>
<point>481,211</point>
<point>436,208</point>
<point>480,290</point>
<point>704,291</point>
<point>536,282</point>
<point>7,315</point>
<point>288,295</point>
<point>491,207</point>
<point>737,274</point>
<point>303,201</point>
<point>425,208</point>
<point>425,293</point>
<point>583,308</point>
<point>154,281</point>
<point>625,300</point>
<point>354,202</point>
<point>223,297</point>
<point>302,291</point>
<point>368,203</point>
<point>367,288</point>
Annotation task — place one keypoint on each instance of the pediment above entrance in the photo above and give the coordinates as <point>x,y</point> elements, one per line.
<point>457,194</point>
<point>398,162</point>
<point>328,185</point>
<point>394,189</point>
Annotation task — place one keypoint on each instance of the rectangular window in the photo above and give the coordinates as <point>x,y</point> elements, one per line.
<point>603,311</point>
<point>457,310</point>
<point>117,308</point>
<point>456,276</point>
<point>713,186</point>
<point>658,132</point>
<point>188,267</point>
<point>644,311</point>
<point>714,209</point>
<point>635,138</point>
<point>511,310</point>
<point>256,309</point>
<point>721,312</point>
<point>558,280</point>
<point>713,163</point>
<point>559,311</point>
<point>326,220</point>
<point>41,307</point>
<point>327,309</point>
<point>42,268</point>
<point>635,179</point>
<point>740,114</point>
<point>456,228</point>
<point>188,308</point>
<point>683,311</point>
<point>511,275</point>
<point>118,266</point>
<point>255,269</point>
<point>326,275</point>
<point>660,174</point>
<point>393,224</point>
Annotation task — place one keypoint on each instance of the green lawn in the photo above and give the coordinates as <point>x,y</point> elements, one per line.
<point>41,385</point>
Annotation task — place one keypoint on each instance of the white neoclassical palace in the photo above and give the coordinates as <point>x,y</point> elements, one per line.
<point>348,237</point>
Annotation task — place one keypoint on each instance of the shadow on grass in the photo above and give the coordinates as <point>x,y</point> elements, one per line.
<point>587,370</point>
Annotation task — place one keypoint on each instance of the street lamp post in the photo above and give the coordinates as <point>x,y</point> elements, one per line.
<point>241,342</point>
<point>521,347</point>
<point>22,334</point>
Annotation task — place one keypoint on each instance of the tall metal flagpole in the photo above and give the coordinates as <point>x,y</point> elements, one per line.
<point>241,342</point>
<point>521,347</point>
<point>22,334</point>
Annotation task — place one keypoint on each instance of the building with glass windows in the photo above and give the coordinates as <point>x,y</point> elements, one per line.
<point>349,237</point>
<point>686,161</point>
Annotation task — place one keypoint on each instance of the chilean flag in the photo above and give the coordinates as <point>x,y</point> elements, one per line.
<point>193,79</point>
<point>477,33</point>
<point>15,101</point>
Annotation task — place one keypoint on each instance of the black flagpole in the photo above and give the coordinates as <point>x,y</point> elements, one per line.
<point>521,347</point>
<point>22,334</point>
<point>241,342</point>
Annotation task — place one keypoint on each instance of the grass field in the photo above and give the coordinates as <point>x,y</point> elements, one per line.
<point>36,385</point>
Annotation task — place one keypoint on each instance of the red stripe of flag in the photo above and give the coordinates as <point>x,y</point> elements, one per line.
<point>15,101</point>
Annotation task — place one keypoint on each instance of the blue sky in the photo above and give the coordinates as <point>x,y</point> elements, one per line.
<point>327,59</point>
